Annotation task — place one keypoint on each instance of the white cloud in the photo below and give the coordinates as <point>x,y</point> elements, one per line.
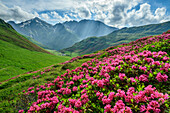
<point>14,14</point>
<point>118,13</point>
<point>160,12</point>
<point>41,5</point>
<point>144,16</point>
<point>45,16</point>
<point>58,18</point>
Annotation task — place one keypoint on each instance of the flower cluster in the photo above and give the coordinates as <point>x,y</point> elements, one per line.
<point>117,82</point>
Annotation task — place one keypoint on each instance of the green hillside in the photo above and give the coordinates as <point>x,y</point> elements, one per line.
<point>16,94</point>
<point>117,37</point>
<point>8,34</point>
<point>18,55</point>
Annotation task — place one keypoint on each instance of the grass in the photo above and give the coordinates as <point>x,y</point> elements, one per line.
<point>9,98</point>
<point>10,35</point>
<point>71,54</point>
<point>15,60</point>
<point>18,55</point>
<point>9,90</point>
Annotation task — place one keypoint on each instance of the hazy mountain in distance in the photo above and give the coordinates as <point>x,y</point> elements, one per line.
<point>54,37</point>
<point>61,35</point>
<point>89,28</point>
<point>117,37</point>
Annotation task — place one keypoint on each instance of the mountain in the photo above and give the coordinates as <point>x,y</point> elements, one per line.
<point>88,28</point>
<point>60,35</point>
<point>9,35</point>
<point>54,37</point>
<point>18,55</point>
<point>117,37</point>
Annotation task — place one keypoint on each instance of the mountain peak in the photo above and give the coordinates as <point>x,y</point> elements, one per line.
<point>36,18</point>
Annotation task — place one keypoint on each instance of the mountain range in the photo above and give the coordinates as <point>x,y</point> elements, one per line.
<point>117,37</point>
<point>88,28</point>
<point>61,35</point>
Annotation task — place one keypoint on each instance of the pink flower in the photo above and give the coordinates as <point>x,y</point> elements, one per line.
<point>30,88</point>
<point>72,101</point>
<point>100,83</point>
<point>132,80</point>
<point>78,104</point>
<point>128,110</point>
<point>106,100</point>
<point>98,93</point>
<point>143,78</point>
<point>107,108</point>
<point>149,89</point>
<point>153,105</point>
<point>143,68</point>
<point>32,91</point>
<point>111,95</point>
<point>134,67</point>
<point>161,100</point>
<point>121,76</point>
<point>74,88</point>
<point>166,96</point>
<point>142,108</point>
<point>165,58</point>
<point>161,77</point>
<point>37,89</point>
<point>120,93</point>
<point>21,111</point>
<point>118,106</point>
<point>119,66</point>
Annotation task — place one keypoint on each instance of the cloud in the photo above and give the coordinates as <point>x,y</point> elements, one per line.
<point>15,14</point>
<point>56,18</point>
<point>117,13</point>
<point>45,16</point>
<point>144,16</point>
<point>123,13</point>
<point>83,12</point>
<point>41,5</point>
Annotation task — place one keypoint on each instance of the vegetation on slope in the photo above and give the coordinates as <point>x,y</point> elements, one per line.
<point>117,37</point>
<point>8,34</point>
<point>126,78</point>
<point>18,55</point>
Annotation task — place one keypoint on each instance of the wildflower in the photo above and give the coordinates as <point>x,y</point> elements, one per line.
<point>78,104</point>
<point>142,108</point>
<point>161,77</point>
<point>21,111</point>
<point>121,76</point>
<point>74,88</point>
<point>143,78</point>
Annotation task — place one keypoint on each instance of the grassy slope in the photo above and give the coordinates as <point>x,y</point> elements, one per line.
<point>10,89</point>
<point>117,37</point>
<point>8,34</point>
<point>18,55</point>
<point>16,60</point>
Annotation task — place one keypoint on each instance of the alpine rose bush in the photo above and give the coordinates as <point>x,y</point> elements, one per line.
<point>123,79</point>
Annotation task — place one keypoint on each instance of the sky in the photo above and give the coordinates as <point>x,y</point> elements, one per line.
<point>116,13</point>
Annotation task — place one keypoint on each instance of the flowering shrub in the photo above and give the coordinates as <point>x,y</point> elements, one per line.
<point>124,79</point>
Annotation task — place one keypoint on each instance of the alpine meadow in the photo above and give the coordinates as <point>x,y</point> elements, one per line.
<point>84,56</point>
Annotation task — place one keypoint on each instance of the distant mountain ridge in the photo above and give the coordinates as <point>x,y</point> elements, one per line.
<point>117,37</point>
<point>88,28</point>
<point>61,35</point>
<point>54,37</point>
